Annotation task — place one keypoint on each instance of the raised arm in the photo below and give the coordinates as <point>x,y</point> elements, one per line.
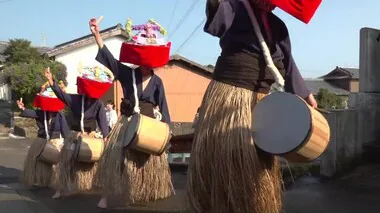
<point>28,113</point>
<point>104,56</point>
<point>220,15</point>
<point>64,97</point>
<point>102,120</point>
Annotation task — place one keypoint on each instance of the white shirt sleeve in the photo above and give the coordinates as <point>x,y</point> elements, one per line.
<point>113,118</point>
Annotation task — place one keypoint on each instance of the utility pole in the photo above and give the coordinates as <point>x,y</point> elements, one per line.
<point>43,40</point>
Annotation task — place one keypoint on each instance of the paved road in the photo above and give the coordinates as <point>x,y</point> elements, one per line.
<point>357,192</point>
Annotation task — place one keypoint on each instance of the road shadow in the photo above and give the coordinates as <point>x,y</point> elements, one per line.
<point>81,203</point>
<point>9,175</point>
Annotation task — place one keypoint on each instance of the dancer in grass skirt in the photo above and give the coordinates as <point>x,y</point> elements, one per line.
<point>227,173</point>
<point>132,175</point>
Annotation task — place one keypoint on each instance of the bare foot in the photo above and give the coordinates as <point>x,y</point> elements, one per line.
<point>68,193</point>
<point>103,203</point>
<point>57,195</point>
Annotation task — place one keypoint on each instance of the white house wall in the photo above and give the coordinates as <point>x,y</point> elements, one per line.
<point>86,55</point>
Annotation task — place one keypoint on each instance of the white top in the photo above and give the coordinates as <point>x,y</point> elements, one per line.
<point>111,117</point>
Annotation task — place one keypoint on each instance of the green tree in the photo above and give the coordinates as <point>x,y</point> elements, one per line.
<point>210,66</point>
<point>20,50</point>
<point>329,100</point>
<point>24,70</point>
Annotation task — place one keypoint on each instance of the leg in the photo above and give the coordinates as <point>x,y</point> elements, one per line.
<point>57,194</point>
<point>226,173</point>
<point>103,202</point>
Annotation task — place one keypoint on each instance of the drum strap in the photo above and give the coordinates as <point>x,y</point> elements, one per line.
<point>82,116</point>
<point>136,108</point>
<point>46,127</point>
<point>280,82</point>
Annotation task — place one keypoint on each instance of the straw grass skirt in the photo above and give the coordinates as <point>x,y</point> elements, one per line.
<point>72,175</point>
<point>131,175</point>
<point>226,172</point>
<point>36,172</point>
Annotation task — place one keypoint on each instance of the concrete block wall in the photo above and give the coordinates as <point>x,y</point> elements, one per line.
<point>345,147</point>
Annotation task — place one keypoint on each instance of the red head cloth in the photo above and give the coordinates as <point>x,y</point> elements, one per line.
<point>91,88</point>
<point>46,103</point>
<point>151,56</point>
<point>303,10</point>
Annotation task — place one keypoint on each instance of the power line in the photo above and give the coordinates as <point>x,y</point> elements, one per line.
<point>191,8</point>
<point>191,35</point>
<point>4,1</point>
<point>171,19</point>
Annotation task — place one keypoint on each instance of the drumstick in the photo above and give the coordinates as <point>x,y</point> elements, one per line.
<point>98,21</point>
<point>21,100</point>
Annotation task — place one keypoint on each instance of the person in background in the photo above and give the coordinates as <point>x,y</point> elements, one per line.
<point>111,114</point>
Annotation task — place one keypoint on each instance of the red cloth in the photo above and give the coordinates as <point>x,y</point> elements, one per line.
<point>91,88</point>
<point>48,103</point>
<point>145,55</point>
<point>303,10</point>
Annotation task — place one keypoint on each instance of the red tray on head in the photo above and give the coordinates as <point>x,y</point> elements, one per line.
<point>303,10</point>
<point>145,55</point>
<point>91,88</point>
<point>48,104</point>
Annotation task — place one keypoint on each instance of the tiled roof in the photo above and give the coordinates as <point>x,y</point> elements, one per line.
<point>206,70</point>
<point>342,73</point>
<point>116,30</point>
<point>315,84</point>
<point>354,72</point>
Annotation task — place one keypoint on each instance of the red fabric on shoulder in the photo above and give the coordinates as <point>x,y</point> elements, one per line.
<point>303,10</point>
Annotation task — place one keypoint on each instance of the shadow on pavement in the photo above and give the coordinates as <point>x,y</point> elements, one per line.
<point>9,175</point>
<point>83,203</point>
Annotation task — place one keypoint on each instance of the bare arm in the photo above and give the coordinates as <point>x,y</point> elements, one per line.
<point>64,97</point>
<point>104,56</point>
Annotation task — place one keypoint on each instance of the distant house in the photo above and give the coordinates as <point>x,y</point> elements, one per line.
<point>345,78</point>
<point>340,81</point>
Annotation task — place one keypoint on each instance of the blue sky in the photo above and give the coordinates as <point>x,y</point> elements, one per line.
<point>330,39</point>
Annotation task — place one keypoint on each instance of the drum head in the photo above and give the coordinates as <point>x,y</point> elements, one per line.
<point>280,123</point>
<point>131,130</point>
